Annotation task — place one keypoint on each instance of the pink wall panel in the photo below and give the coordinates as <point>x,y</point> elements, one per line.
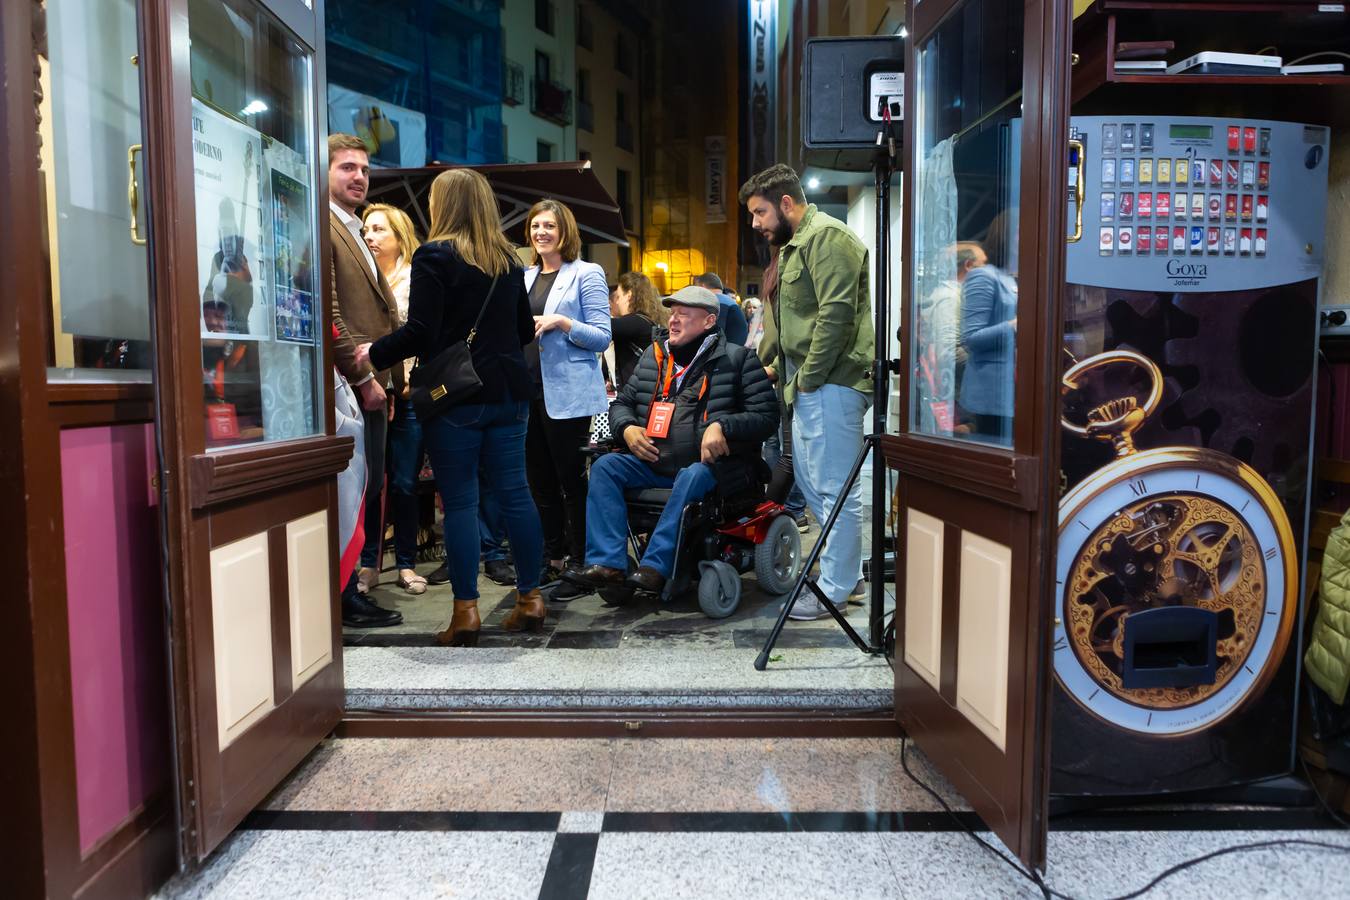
<point>119,680</point>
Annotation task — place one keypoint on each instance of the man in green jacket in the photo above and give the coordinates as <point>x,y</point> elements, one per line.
<point>823,317</point>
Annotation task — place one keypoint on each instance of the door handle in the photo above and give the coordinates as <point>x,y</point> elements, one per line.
<point>1078,191</point>
<point>134,194</point>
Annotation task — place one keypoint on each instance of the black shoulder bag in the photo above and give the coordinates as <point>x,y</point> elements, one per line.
<point>449,377</point>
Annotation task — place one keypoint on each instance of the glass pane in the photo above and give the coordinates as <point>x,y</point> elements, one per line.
<point>90,126</point>
<point>253,148</point>
<point>963,306</point>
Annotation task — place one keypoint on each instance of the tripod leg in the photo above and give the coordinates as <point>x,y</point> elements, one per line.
<point>762,660</point>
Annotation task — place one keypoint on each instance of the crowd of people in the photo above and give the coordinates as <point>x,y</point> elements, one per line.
<point>696,387</point>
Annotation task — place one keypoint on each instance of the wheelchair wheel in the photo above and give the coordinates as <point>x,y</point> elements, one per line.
<point>719,589</point>
<point>778,560</point>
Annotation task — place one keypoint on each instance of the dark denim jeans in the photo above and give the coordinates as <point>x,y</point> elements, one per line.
<point>405,464</point>
<point>491,526</point>
<point>487,438</point>
<point>607,515</point>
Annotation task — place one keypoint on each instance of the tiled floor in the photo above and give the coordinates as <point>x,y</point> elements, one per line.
<point>673,818</point>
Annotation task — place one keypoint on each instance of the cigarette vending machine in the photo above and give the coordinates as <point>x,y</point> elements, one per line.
<point>1190,341</point>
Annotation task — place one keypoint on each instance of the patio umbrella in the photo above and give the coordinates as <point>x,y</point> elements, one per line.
<point>517,187</point>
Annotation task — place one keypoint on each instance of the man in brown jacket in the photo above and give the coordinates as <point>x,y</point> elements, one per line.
<point>363,310</point>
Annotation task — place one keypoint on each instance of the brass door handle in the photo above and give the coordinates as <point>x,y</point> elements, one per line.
<point>1078,191</point>
<point>133,194</point>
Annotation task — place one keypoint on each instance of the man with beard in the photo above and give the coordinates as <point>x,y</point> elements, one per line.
<point>696,407</point>
<point>823,319</point>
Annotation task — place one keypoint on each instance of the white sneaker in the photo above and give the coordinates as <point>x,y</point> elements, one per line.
<point>808,608</point>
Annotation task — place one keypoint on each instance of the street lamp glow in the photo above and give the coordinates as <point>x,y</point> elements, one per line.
<point>662,267</point>
<point>813,184</point>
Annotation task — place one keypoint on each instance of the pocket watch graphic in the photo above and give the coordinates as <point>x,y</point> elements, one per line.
<point>1166,528</point>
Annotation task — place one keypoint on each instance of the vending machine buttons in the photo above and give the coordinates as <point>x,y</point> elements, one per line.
<point>1248,139</point>
<point>1145,137</point>
<point>1125,239</point>
<point>1265,141</point>
<point>1127,171</point>
<point>1106,241</point>
<point>1179,206</point>
<point>1216,173</point>
<point>1246,207</point>
<point>1144,239</point>
<point>1248,174</point>
<point>1212,240</point>
<point>1260,242</point>
<point>1229,241</point>
<point>1215,207</point>
<point>1262,207</point>
<point>1245,243</point>
<point>1109,138</point>
<point>1126,207</point>
<point>1198,172</point>
<point>1160,239</point>
<point>1179,239</point>
<point>1230,207</point>
<point>1164,169</point>
<point>1145,171</point>
<point>1230,169</point>
<point>1198,206</point>
<point>1162,204</point>
<point>1108,171</point>
<point>1127,138</point>
<point>1234,137</point>
<point>1197,239</point>
<point>1263,175</point>
<point>1143,205</point>
<point>1108,209</point>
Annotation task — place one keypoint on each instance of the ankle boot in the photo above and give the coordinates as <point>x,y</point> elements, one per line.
<point>464,626</point>
<point>528,614</point>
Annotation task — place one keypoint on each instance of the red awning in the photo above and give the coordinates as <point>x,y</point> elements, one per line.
<point>518,187</point>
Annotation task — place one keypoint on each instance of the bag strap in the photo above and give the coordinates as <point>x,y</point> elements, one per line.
<point>473,332</point>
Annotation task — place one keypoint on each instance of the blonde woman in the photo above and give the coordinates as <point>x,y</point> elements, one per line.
<point>466,266</point>
<point>569,298</point>
<point>389,234</point>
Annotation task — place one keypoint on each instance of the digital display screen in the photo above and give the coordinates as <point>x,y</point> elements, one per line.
<point>1190,132</point>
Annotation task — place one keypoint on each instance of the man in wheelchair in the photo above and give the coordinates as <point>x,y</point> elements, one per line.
<point>696,408</point>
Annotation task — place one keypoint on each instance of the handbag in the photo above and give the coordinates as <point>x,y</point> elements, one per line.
<point>449,376</point>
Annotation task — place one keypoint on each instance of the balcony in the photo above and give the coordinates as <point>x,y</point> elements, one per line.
<point>513,84</point>
<point>550,100</point>
<point>623,135</point>
<point>585,116</point>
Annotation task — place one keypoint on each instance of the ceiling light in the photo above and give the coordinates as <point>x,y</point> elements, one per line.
<point>254,107</point>
<point>813,183</point>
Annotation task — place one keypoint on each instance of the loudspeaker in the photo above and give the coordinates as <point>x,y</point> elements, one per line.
<point>846,84</point>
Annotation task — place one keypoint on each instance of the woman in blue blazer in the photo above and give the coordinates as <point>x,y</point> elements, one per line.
<point>570,301</point>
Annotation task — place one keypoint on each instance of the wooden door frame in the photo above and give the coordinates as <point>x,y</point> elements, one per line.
<point>201,487</point>
<point>38,765</point>
<point>1025,477</point>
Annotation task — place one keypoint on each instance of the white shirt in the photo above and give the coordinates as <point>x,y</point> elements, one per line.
<point>354,226</point>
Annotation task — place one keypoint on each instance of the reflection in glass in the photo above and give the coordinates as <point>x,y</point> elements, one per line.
<point>253,144</point>
<point>91,173</point>
<point>964,298</point>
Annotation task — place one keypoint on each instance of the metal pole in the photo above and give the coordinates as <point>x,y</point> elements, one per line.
<point>882,167</point>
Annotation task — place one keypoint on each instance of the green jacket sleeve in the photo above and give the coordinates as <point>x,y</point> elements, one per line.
<point>835,264</point>
<point>768,342</point>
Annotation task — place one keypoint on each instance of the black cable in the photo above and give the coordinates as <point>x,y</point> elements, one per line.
<point>1049,893</point>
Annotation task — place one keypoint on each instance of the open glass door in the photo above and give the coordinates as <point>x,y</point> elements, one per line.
<point>245,403</point>
<point>987,107</point>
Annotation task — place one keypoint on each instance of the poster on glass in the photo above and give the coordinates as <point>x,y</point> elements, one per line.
<point>293,291</point>
<point>227,166</point>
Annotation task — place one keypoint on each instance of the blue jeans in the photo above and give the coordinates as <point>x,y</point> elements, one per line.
<point>487,438</point>
<point>607,516</point>
<point>405,464</point>
<point>827,435</point>
<point>491,526</point>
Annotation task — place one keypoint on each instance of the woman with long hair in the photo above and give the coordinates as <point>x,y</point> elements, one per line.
<point>635,309</point>
<point>389,234</point>
<point>569,299</point>
<point>465,266</point>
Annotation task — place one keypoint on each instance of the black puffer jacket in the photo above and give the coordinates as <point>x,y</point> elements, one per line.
<point>738,395</point>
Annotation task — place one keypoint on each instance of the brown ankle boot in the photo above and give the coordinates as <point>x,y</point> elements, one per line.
<point>464,625</point>
<point>528,614</point>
